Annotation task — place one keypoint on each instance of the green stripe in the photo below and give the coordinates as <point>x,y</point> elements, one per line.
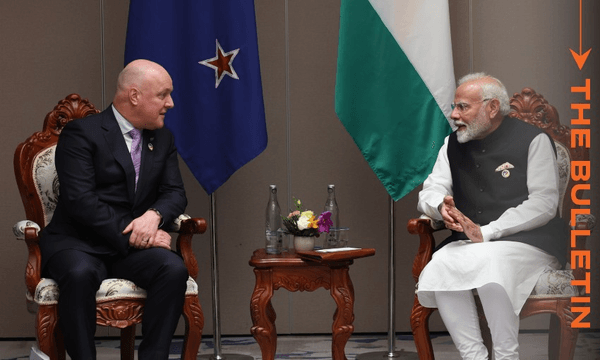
<point>383,102</point>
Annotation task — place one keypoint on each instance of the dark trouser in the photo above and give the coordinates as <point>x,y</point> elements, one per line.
<point>159,271</point>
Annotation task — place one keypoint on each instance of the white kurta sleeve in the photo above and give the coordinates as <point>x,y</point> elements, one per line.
<point>437,185</point>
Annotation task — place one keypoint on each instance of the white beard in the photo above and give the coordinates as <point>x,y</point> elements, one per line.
<point>478,126</point>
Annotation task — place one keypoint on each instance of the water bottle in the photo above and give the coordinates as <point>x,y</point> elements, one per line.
<point>273,223</point>
<point>332,206</point>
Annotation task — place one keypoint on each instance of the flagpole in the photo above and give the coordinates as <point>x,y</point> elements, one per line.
<point>471,36</point>
<point>391,353</point>
<point>392,285</point>
<point>102,56</point>
<point>215,293</point>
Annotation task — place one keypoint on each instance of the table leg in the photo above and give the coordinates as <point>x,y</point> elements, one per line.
<point>342,292</point>
<point>263,314</point>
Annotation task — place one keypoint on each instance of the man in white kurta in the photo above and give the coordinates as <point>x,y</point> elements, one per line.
<point>495,185</point>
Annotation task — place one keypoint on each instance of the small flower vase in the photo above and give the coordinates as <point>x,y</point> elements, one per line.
<point>304,243</point>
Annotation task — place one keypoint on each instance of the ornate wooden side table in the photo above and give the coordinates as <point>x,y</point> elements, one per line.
<point>294,273</point>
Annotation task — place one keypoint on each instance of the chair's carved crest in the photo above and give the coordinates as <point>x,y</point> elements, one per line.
<point>532,108</point>
<point>70,108</point>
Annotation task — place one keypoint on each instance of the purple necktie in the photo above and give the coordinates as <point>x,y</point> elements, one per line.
<point>136,152</point>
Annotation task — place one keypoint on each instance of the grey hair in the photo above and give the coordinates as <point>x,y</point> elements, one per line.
<point>493,89</point>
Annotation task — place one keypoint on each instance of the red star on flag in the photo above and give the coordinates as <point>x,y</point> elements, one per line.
<point>222,64</point>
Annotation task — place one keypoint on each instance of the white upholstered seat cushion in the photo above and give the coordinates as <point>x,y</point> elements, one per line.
<point>47,292</point>
<point>555,283</point>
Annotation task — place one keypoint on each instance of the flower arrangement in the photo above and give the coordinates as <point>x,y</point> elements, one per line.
<point>305,223</point>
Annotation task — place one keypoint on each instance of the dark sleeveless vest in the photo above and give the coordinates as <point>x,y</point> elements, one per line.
<point>483,190</point>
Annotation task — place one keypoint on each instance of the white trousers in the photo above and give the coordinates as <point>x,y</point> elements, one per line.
<point>459,313</point>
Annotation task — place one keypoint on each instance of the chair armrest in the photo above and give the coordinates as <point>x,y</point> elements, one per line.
<point>19,228</point>
<point>28,230</point>
<point>187,226</point>
<point>585,222</point>
<point>422,227</point>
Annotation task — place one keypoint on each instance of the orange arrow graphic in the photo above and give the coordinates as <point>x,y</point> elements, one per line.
<point>579,57</point>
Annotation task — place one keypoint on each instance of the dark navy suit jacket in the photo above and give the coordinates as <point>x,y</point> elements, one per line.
<point>97,186</point>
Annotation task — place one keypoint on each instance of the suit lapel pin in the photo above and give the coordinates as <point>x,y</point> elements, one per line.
<point>505,173</point>
<point>150,146</point>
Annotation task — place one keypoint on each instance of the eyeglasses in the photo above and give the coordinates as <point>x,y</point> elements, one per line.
<point>462,106</point>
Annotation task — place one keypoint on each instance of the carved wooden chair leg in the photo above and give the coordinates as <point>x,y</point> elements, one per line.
<point>46,321</point>
<point>419,322</point>
<point>128,342</point>
<point>568,343</point>
<point>194,323</point>
<point>554,338</point>
<point>562,338</point>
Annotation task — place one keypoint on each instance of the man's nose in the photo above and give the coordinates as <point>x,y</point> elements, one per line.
<point>455,115</point>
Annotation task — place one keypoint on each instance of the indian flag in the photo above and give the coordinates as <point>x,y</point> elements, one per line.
<point>395,83</point>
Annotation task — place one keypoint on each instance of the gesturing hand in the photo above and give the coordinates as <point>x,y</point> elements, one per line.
<point>445,207</point>
<point>472,230</point>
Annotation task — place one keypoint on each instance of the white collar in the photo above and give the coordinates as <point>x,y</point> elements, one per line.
<point>125,125</point>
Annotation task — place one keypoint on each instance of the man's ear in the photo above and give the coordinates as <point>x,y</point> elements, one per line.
<point>134,96</point>
<point>494,108</point>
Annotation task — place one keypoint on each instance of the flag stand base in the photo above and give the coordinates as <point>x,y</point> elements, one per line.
<point>226,357</point>
<point>405,355</point>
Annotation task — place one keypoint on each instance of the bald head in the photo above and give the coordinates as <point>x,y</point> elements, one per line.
<point>143,94</point>
<point>136,72</point>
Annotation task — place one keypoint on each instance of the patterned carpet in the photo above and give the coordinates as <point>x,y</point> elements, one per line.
<point>533,347</point>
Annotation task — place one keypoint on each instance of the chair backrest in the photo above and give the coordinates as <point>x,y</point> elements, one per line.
<point>532,108</point>
<point>34,160</point>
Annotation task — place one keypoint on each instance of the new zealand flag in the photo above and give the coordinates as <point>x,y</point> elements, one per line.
<point>210,49</point>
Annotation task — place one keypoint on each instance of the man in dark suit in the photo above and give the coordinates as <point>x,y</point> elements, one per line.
<point>116,194</point>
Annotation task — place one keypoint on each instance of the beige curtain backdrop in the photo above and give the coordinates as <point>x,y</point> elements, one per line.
<point>53,48</point>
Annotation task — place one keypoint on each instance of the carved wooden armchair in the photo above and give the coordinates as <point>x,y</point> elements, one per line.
<point>553,291</point>
<point>120,303</point>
